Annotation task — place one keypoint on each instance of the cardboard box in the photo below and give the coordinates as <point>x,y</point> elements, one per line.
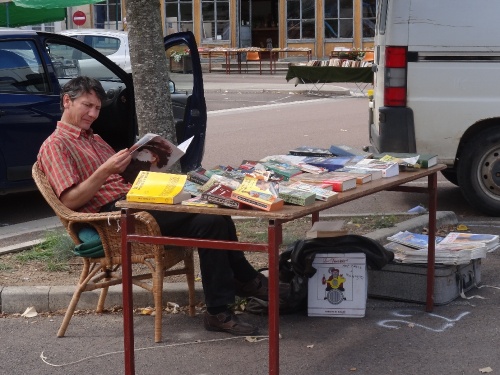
<point>339,286</point>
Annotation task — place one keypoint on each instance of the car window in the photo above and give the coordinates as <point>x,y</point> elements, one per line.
<point>105,45</point>
<point>71,62</point>
<point>20,68</point>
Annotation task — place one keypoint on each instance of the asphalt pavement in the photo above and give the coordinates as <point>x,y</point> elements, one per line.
<point>394,337</point>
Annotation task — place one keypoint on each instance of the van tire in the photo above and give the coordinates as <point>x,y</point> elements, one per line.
<point>479,171</point>
<point>450,175</point>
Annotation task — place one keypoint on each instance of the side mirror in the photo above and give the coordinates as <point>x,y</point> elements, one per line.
<point>171,86</point>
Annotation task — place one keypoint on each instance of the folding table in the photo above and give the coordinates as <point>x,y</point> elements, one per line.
<point>275,220</point>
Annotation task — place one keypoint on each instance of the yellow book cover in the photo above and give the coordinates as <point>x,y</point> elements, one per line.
<point>158,187</point>
<point>259,194</point>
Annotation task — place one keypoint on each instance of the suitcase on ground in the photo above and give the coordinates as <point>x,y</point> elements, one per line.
<point>408,282</point>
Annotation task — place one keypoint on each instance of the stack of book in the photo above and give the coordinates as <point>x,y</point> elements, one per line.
<point>455,248</point>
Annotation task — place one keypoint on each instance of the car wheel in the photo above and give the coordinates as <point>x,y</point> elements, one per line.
<point>479,172</point>
<point>450,175</point>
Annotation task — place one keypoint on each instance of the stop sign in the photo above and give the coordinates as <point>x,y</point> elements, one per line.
<point>79,18</point>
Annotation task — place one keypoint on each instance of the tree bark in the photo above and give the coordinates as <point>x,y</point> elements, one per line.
<point>150,70</point>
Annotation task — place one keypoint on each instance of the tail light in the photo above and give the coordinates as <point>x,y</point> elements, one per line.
<point>395,76</point>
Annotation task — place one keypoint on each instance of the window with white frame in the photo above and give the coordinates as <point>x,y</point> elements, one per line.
<point>300,19</point>
<point>369,18</point>
<point>339,19</point>
<point>179,15</point>
<point>215,20</point>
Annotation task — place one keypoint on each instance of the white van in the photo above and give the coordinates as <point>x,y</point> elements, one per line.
<point>437,89</point>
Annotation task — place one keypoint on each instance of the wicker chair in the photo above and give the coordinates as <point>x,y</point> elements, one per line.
<point>101,273</point>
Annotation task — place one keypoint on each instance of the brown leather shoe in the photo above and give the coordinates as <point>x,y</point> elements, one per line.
<point>257,288</point>
<point>228,322</point>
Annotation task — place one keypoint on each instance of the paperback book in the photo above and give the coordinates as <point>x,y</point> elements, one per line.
<point>321,194</point>
<point>374,173</point>
<point>331,163</point>
<point>297,197</point>
<point>221,194</point>
<point>344,150</point>
<point>491,241</point>
<point>388,169</point>
<point>158,187</point>
<point>153,153</point>
<point>198,201</point>
<point>198,176</point>
<point>333,228</point>
<point>414,240</point>
<point>423,160</point>
<point>283,170</point>
<point>339,182</point>
<point>259,194</point>
<point>310,151</point>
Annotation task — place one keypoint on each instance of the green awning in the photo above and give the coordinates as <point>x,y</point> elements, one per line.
<point>51,4</point>
<point>15,16</point>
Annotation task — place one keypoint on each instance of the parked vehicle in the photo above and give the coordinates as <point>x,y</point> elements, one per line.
<point>437,74</point>
<point>34,65</point>
<point>111,43</point>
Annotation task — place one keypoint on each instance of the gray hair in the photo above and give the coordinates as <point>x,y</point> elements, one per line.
<point>78,86</point>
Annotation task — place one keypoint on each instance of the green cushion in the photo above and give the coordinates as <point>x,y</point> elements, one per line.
<point>91,246</point>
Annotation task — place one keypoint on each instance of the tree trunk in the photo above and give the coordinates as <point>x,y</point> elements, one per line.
<point>150,70</point>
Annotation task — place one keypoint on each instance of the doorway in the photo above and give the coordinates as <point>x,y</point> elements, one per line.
<point>258,23</point>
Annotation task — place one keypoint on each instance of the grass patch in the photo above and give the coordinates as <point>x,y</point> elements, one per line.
<point>54,252</point>
<point>5,267</point>
<point>376,221</point>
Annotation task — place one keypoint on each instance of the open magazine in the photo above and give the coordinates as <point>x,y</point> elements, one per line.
<point>155,154</point>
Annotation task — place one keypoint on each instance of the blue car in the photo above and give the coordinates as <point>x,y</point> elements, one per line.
<point>34,66</point>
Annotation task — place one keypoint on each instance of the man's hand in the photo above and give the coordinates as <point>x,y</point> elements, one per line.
<point>76,196</point>
<point>118,162</point>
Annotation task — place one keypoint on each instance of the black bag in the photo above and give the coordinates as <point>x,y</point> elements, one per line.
<point>295,267</point>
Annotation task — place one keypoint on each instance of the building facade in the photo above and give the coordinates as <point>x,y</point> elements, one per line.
<point>321,25</point>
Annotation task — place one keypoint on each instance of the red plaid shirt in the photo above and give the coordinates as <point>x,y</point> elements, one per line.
<point>70,155</point>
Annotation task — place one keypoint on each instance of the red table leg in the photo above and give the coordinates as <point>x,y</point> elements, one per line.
<point>432,187</point>
<point>128,319</point>
<point>274,238</point>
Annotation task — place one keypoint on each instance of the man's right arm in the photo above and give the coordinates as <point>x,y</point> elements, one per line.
<point>77,195</point>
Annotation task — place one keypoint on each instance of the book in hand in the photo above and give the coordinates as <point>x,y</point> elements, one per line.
<point>423,160</point>
<point>155,154</point>
<point>414,240</point>
<point>310,151</point>
<point>259,194</point>
<point>333,228</point>
<point>221,194</point>
<point>158,187</point>
<point>297,197</point>
<point>344,150</point>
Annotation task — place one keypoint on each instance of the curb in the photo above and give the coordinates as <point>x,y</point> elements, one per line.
<point>53,298</point>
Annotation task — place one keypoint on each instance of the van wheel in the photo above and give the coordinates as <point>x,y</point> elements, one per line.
<point>450,175</point>
<point>479,172</point>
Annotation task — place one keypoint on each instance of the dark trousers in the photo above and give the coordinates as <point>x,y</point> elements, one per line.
<point>218,268</point>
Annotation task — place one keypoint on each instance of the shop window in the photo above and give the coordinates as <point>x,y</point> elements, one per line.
<point>179,16</point>
<point>369,17</point>
<point>215,18</point>
<point>339,19</point>
<point>108,14</point>
<point>301,22</point>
